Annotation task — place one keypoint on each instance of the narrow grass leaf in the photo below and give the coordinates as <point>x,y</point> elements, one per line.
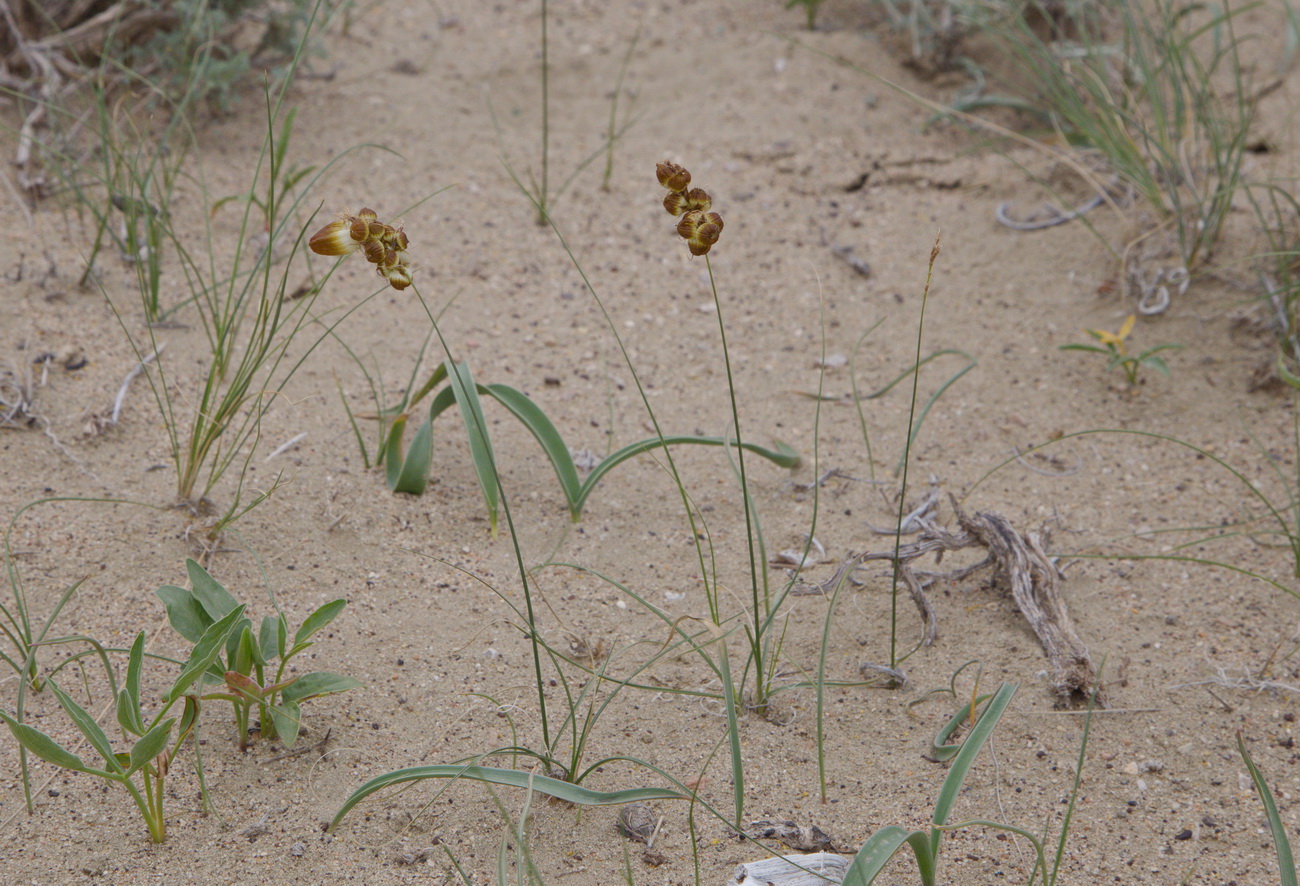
<point>480,446</point>
<point>882,846</point>
<point>409,474</point>
<point>1282,845</point>
<point>546,434</point>
<point>942,749</point>
<point>782,455</point>
<point>552,787</point>
<point>965,758</point>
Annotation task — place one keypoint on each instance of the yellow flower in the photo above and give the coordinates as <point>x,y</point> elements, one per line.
<point>1114,339</point>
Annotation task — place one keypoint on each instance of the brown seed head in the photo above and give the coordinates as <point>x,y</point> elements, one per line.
<point>398,276</point>
<point>334,239</point>
<point>680,202</point>
<point>700,230</point>
<point>374,251</point>
<point>673,177</point>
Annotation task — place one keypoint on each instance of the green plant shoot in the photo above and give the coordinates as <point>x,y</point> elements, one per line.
<point>252,674</point>
<point>1114,348</point>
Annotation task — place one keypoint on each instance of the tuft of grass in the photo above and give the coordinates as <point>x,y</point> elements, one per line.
<point>1159,92</point>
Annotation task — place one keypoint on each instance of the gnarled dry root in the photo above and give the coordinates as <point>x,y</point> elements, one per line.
<point>1033,578</point>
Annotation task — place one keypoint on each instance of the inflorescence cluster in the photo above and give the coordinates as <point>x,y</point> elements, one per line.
<point>699,227</point>
<point>384,245</point>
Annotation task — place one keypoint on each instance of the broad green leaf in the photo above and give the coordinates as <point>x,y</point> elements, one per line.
<point>552,787</point>
<point>153,743</point>
<point>128,700</point>
<point>271,637</point>
<point>546,433</point>
<point>318,684</point>
<point>244,654</point>
<point>82,719</point>
<point>184,612</point>
<point>480,444</point>
<point>210,593</point>
<point>882,846</point>
<point>205,652</point>
<point>319,619</point>
<point>43,746</point>
<point>244,685</point>
<point>128,714</point>
<point>287,718</point>
<point>1281,844</point>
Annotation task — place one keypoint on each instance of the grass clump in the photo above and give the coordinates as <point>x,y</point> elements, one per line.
<point>1157,91</point>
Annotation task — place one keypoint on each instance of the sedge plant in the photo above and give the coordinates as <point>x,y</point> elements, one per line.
<point>385,246</point>
<point>1159,92</point>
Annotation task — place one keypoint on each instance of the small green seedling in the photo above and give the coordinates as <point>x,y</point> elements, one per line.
<point>155,743</point>
<point>885,843</point>
<point>809,8</point>
<point>408,467</point>
<point>1281,844</point>
<point>252,674</point>
<point>1112,347</point>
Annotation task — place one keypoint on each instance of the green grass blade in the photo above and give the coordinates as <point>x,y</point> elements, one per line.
<point>782,455</point>
<point>547,435</point>
<point>733,726</point>
<point>409,473</point>
<point>941,748</point>
<point>877,852</point>
<point>480,446</point>
<point>1285,861</point>
<point>965,758</point>
<point>552,787</point>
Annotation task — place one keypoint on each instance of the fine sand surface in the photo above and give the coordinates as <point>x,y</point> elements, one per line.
<point>810,163</point>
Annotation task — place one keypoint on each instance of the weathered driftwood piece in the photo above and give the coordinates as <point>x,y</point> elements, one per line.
<point>1033,578</point>
<point>815,869</point>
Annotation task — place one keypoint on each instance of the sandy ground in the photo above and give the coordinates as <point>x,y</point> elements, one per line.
<point>809,162</point>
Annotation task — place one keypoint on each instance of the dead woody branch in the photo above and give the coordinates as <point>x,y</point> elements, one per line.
<point>1034,580</point>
